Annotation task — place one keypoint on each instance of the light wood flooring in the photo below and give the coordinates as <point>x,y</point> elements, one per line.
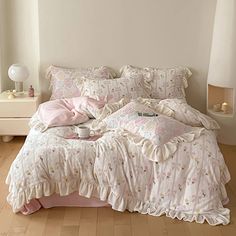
<point>102,221</point>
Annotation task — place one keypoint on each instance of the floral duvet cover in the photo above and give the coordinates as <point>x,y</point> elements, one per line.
<point>168,164</point>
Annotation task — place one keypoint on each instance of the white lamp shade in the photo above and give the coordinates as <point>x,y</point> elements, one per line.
<point>18,73</point>
<point>222,68</point>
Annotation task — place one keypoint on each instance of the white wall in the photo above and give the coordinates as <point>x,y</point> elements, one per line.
<point>139,32</point>
<point>3,81</point>
<point>21,44</point>
<point>114,32</point>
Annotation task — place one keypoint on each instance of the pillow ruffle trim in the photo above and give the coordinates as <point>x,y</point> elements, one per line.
<point>160,153</point>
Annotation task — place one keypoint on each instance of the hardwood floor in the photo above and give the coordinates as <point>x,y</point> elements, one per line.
<point>103,221</point>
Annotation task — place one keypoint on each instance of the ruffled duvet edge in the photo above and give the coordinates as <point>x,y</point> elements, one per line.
<point>119,203</point>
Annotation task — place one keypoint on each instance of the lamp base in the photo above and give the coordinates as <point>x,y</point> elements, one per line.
<point>19,86</point>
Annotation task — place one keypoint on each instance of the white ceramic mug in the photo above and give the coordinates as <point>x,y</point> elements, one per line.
<point>84,132</point>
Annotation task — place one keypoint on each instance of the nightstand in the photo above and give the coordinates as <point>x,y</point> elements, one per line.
<point>15,114</point>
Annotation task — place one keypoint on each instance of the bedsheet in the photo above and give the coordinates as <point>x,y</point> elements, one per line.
<point>188,185</point>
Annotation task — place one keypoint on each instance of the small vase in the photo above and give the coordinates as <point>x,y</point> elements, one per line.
<point>31,91</point>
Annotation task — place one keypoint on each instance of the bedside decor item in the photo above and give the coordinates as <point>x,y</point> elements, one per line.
<point>18,73</point>
<point>31,91</point>
<point>222,71</point>
<point>217,107</point>
<point>11,94</point>
<point>225,107</point>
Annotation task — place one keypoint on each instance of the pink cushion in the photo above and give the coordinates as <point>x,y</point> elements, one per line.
<point>70,111</point>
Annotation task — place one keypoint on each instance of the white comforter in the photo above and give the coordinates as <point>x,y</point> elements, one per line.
<point>186,183</point>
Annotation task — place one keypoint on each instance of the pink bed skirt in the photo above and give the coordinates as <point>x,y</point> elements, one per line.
<point>72,200</point>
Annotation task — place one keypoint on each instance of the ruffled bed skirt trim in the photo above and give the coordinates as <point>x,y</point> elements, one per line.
<point>119,203</point>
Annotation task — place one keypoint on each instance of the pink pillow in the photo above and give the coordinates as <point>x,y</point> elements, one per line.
<point>71,111</point>
<point>65,82</point>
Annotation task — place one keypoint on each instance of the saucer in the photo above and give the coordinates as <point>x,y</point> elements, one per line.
<point>90,138</point>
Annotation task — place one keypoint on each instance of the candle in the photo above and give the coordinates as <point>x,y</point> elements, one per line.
<point>225,107</point>
<point>217,107</point>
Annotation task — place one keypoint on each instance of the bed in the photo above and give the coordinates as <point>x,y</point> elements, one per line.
<point>166,161</point>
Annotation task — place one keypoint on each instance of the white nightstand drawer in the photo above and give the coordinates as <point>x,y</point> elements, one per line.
<point>17,109</point>
<point>21,106</point>
<point>15,114</point>
<point>13,126</point>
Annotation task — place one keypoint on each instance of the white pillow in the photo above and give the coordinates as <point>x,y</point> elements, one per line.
<point>157,136</point>
<point>170,82</point>
<point>163,83</point>
<point>188,115</point>
<point>159,129</point>
<point>114,90</point>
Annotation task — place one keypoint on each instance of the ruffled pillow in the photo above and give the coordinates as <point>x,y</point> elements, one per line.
<point>170,82</point>
<point>159,129</point>
<point>157,136</point>
<point>188,115</point>
<point>66,82</point>
<point>163,83</point>
<point>114,90</point>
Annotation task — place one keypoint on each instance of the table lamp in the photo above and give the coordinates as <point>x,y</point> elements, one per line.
<point>18,73</point>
